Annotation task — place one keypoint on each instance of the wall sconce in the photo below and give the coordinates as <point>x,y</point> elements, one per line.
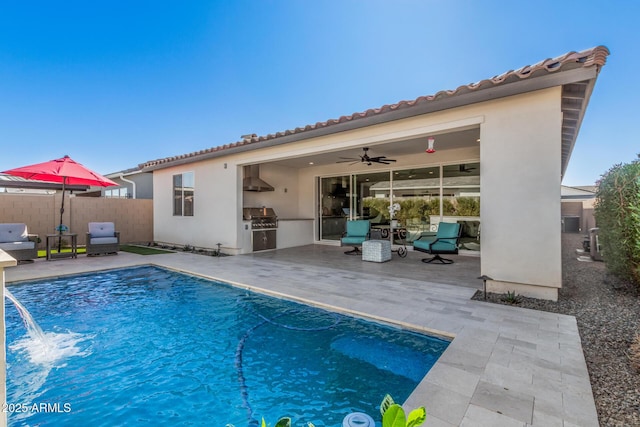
<point>430,143</point>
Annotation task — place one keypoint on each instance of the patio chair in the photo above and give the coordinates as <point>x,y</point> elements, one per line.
<point>17,242</point>
<point>444,242</point>
<point>357,231</point>
<point>102,238</point>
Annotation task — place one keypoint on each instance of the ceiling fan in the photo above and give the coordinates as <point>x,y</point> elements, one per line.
<point>364,158</point>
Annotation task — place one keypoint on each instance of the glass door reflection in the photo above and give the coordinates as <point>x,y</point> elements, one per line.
<point>334,206</point>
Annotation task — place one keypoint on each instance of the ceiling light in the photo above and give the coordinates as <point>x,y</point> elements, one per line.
<point>310,163</point>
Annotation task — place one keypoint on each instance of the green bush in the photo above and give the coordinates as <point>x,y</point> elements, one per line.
<point>377,204</point>
<point>468,206</point>
<point>617,213</point>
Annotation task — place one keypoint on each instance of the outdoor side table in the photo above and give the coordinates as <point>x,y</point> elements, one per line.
<point>53,238</point>
<point>376,250</point>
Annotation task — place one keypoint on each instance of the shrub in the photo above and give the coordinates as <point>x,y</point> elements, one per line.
<point>468,206</point>
<point>511,298</point>
<point>617,213</point>
<point>378,204</point>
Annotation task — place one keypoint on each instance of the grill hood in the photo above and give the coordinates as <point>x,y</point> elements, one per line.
<point>252,181</point>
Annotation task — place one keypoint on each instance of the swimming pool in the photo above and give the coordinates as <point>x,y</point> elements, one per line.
<point>149,346</point>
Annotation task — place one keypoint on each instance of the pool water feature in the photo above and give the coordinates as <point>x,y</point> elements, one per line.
<point>149,346</point>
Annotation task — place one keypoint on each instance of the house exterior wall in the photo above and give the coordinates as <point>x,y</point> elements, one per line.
<point>143,183</point>
<point>519,157</point>
<point>583,209</point>
<point>520,167</point>
<point>217,206</point>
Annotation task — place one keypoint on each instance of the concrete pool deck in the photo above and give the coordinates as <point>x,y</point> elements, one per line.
<point>506,366</point>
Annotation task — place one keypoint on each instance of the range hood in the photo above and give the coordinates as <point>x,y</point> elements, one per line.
<point>252,181</point>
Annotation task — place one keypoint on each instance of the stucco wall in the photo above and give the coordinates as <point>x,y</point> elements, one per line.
<point>41,213</point>
<point>520,190</point>
<point>217,206</point>
<point>284,198</point>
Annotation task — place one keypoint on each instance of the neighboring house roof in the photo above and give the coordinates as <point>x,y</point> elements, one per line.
<point>125,172</point>
<point>578,192</point>
<point>577,88</point>
<point>423,183</point>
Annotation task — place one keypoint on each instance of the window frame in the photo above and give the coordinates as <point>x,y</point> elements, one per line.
<point>183,195</point>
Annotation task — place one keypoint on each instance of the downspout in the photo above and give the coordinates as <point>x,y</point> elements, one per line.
<point>133,184</point>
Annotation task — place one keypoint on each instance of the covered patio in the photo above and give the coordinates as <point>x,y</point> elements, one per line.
<point>464,272</point>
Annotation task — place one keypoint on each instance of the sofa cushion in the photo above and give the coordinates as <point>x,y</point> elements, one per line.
<point>17,246</point>
<point>102,229</point>
<point>13,233</point>
<point>103,240</point>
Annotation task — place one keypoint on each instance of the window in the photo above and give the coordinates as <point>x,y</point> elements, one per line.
<point>117,193</point>
<point>183,190</point>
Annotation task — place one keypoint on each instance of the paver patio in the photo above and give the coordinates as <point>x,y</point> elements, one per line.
<point>505,366</point>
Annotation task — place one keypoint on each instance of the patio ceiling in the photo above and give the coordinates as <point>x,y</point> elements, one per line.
<point>416,146</point>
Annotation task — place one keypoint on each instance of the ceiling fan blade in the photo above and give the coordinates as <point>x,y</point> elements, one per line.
<point>381,158</point>
<point>366,159</point>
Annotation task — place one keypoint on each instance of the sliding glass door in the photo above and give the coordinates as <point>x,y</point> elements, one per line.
<point>351,197</point>
<point>370,201</point>
<point>417,192</point>
<point>335,204</point>
<point>425,196</point>
<point>461,201</point>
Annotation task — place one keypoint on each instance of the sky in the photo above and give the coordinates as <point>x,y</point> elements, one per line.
<point>117,83</point>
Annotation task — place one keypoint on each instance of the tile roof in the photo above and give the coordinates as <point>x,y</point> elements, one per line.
<point>595,56</point>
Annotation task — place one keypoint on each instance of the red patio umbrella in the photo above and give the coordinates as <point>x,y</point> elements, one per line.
<point>65,171</point>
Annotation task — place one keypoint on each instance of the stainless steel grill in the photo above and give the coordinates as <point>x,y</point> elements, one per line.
<point>261,218</point>
<point>264,223</point>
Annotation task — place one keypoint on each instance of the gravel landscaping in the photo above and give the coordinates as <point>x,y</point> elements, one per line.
<point>608,313</point>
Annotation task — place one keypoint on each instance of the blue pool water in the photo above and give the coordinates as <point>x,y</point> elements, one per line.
<point>148,346</point>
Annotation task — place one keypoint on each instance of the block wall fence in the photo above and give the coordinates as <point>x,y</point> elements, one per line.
<point>132,217</point>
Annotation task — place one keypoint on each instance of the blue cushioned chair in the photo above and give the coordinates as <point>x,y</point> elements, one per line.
<point>357,232</point>
<point>444,242</point>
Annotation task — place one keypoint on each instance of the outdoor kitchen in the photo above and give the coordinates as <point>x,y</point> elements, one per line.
<point>264,197</point>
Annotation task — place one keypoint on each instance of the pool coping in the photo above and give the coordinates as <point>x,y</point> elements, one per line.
<point>505,366</point>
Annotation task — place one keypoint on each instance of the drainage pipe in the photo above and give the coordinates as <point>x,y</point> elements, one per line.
<point>133,184</point>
